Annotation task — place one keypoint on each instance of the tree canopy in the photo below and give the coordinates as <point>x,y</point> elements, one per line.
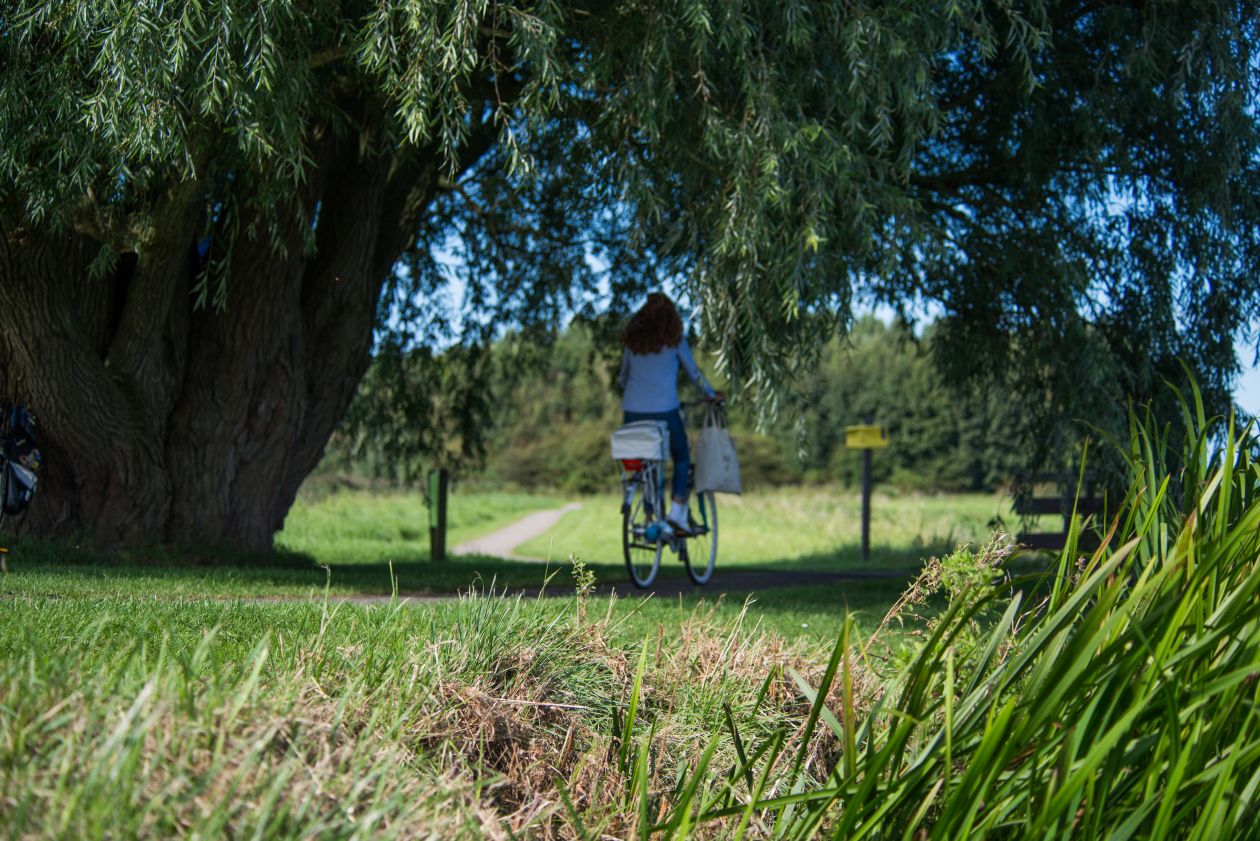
<point>1071,185</point>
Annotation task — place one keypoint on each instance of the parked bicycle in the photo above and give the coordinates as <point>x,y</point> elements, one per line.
<point>20,459</point>
<point>642,451</point>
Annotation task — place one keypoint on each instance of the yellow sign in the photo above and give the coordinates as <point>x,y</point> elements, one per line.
<point>866,437</point>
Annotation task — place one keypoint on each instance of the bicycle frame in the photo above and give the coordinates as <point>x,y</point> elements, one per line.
<point>648,480</point>
<point>651,477</point>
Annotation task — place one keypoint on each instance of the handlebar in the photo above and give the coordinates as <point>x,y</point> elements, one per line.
<point>715,401</point>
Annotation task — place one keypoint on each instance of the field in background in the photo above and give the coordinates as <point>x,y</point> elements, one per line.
<point>370,528</point>
<point>799,529</point>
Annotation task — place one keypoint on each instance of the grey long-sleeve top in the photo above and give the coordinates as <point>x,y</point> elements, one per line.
<point>650,381</point>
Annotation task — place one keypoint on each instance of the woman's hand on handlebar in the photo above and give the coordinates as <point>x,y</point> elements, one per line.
<point>716,397</point>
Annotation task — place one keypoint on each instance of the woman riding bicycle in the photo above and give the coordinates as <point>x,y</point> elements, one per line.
<point>654,350</point>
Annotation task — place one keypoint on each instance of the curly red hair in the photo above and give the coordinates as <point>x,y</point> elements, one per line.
<point>655,326</point>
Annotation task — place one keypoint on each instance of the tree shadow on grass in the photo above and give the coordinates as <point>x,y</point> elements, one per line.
<point>52,568</point>
<point>57,568</point>
<point>884,558</point>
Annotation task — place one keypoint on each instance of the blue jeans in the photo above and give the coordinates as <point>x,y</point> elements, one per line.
<point>678,449</point>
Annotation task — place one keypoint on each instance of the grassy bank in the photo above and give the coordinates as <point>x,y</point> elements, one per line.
<point>1114,695</point>
<point>127,717</point>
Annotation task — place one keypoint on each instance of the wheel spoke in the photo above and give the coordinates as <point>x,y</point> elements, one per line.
<point>702,551</point>
<point>642,558</point>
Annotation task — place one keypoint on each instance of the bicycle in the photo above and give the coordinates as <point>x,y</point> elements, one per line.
<point>644,533</point>
<point>19,459</point>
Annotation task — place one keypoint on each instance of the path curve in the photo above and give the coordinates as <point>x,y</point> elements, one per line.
<point>502,543</point>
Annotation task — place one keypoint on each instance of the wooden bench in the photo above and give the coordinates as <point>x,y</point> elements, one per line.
<point>1040,494</point>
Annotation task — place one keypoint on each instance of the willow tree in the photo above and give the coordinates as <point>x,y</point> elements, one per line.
<point>207,208</point>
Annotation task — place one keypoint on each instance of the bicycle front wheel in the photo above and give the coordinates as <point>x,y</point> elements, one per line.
<point>701,555</point>
<point>643,557</point>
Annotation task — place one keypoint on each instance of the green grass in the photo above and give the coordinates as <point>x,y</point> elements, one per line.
<point>140,697</point>
<point>1113,696</point>
<point>349,541</point>
<point>801,529</point>
<point>811,615</point>
<point>357,536</point>
<point>134,717</point>
<point>350,528</point>
<point>128,719</point>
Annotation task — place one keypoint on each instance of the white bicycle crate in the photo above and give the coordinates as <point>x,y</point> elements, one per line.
<point>641,440</point>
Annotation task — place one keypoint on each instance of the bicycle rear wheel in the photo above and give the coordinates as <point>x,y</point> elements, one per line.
<point>643,557</point>
<point>701,554</point>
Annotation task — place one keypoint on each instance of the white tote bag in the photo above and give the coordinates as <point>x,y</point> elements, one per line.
<point>717,468</point>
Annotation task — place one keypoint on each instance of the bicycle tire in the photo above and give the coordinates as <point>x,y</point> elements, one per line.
<point>707,542</point>
<point>639,555</point>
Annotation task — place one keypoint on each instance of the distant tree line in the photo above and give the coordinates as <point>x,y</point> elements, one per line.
<point>545,403</point>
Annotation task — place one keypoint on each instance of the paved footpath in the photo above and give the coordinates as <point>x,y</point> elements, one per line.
<point>503,543</point>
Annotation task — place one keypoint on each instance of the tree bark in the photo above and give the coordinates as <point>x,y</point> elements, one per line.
<point>162,421</point>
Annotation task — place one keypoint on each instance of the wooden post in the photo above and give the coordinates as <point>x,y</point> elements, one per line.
<point>437,513</point>
<point>866,438</point>
<point>866,499</point>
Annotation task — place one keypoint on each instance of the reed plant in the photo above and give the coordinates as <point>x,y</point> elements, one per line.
<point>1113,696</point>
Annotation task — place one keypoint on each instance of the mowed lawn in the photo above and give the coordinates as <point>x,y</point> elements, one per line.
<point>799,529</point>
<point>360,542</point>
<point>352,543</point>
<point>363,528</point>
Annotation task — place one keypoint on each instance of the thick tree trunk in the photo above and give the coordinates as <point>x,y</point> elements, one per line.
<point>161,421</point>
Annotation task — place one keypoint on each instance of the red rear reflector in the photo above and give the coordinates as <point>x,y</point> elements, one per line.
<point>632,463</point>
